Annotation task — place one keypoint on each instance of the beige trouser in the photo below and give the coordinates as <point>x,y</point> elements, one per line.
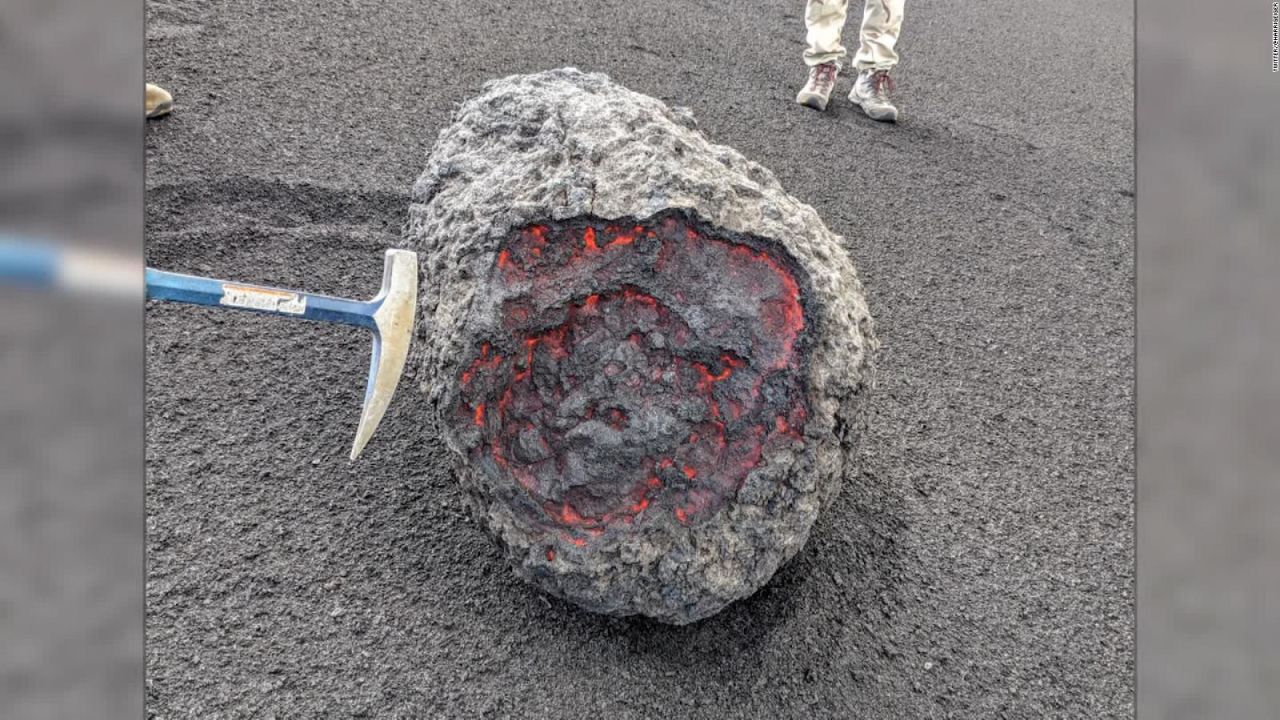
<point>881,23</point>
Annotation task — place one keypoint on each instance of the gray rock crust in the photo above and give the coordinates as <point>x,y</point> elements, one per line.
<point>563,144</point>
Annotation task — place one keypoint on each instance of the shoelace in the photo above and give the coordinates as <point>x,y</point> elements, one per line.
<point>881,82</point>
<point>824,77</point>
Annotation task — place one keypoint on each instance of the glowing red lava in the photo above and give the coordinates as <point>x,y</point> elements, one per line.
<point>639,373</point>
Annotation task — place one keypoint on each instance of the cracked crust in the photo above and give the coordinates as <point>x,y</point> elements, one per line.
<point>561,145</point>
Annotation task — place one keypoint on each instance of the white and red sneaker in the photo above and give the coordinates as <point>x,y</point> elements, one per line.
<point>158,101</point>
<point>817,91</point>
<point>871,92</point>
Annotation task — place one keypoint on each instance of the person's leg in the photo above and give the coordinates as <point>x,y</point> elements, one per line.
<point>824,21</point>
<point>881,24</point>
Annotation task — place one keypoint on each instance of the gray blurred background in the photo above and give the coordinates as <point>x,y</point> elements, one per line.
<point>71,525</point>
<point>1208,380</point>
<point>71,500</point>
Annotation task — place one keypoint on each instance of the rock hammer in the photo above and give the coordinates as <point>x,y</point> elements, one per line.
<point>389,314</point>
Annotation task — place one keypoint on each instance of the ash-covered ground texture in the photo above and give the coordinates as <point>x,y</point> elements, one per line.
<point>649,359</point>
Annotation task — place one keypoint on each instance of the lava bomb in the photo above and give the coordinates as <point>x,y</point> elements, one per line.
<point>648,360</point>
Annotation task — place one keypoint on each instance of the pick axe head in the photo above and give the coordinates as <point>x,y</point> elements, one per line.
<point>392,332</point>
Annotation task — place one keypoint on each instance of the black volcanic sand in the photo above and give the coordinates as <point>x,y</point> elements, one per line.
<point>993,231</point>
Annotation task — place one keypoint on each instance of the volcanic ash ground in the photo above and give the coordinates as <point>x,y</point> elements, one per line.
<point>648,359</point>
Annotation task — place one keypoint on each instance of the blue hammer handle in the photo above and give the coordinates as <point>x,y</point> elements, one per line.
<point>163,285</point>
<point>34,265</point>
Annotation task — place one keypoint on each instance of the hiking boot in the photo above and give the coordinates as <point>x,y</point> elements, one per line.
<point>159,101</point>
<point>871,92</point>
<point>816,92</point>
